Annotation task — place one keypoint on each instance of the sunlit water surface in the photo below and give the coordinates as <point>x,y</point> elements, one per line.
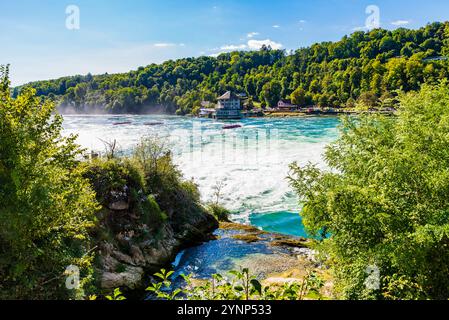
<point>251,162</point>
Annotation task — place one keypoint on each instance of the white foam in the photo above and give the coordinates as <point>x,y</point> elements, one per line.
<point>252,162</point>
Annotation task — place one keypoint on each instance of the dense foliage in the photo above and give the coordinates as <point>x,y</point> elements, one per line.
<point>117,180</point>
<point>365,65</point>
<point>56,209</point>
<point>385,202</point>
<point>237,285</point>
<point>179,198</point>
<point>46,206</point>
<point>149,182</point>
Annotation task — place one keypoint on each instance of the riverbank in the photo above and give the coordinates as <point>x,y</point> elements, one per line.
<point>320,113</point>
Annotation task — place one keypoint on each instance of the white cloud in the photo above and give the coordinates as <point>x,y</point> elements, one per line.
<point>400,23</point>
<point>276,26</point>
<point>302,21</point>
<point>164,45</point>
<point>232,47</point>
<point>253,34</point>
<point>257,44</point>
<point>168,45</point>
<point>214,55</point>
<point>252,45</point>
<point>358,28</point>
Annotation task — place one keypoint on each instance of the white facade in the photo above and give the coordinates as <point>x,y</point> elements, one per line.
<point>229,107</point>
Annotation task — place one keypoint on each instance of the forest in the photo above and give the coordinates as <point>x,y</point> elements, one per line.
<point>366,67</point>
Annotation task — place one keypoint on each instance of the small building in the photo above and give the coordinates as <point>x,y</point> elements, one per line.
<point>286,105</point>
<point>229,107</point>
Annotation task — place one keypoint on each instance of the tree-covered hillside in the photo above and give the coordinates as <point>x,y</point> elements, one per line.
<point>365,66</point>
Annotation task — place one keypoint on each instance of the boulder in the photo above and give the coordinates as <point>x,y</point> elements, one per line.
<point>131,278</point>
<point>124,258</point>
<point>143,256</point>
<point>137,255</point>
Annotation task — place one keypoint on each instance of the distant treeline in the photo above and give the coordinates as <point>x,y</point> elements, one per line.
<point>365,67</point>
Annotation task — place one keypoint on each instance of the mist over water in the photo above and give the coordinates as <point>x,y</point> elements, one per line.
<point>251,161</point>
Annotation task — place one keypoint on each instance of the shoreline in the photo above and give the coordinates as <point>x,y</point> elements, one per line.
<point>267,114</point>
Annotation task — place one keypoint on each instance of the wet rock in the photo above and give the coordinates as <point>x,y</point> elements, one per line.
<point>157,256</point>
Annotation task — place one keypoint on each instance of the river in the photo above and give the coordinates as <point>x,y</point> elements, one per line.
<point>250,162</point>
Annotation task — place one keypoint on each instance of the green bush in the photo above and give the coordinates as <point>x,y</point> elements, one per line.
<point>150,212</point>
<point>47,207</point>
<point>385,202</point>
<point>153,184</point>
<point>179,199</point>
<point>108,175</point>
<point>239,285</point>
<point>222,214</point>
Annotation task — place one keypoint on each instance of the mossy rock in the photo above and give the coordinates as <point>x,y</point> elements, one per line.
<point>249,238</point>
<point>292,243</point>
<point>239,227</point>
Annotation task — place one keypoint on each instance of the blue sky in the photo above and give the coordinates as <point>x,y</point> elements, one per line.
<point>119,35</point>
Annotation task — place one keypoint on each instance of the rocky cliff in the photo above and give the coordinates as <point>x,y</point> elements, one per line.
<point>145,221</point>
<point>135,252</point>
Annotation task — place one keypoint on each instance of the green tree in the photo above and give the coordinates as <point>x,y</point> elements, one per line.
<point>367,100</point>
<point>271,93</point>
<point>299,97</point>
<point>46,205</point>
<point>384,204</point>
<point>331,73</point>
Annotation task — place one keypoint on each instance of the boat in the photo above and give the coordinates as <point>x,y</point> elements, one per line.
<point>232,126</point>
<point>122,123</point>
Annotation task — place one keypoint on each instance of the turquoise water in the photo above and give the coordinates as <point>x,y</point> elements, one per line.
<point>251,163</point>
<point>218,256</point>
<point>227,253</point>
<point>280,222</point>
